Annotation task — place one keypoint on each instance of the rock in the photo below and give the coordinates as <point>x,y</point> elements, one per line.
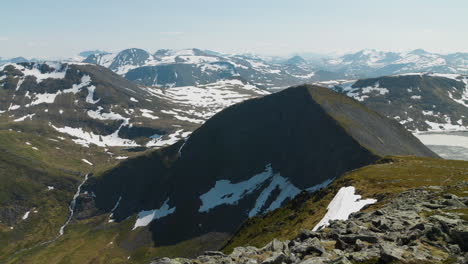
<point>454,203</point>
<point>310,246</point>
<point>433,206</point>
<point>445,220</point>
<point>277,258</point>
<point>390,253</point>
<point>450,196</point>
<point>351,239</point>
<point>306,233</point>
<point>365,255</point>
<point>214,253</point>
<point>454,249</point>
<point>342,260</point>
<point>315,261</point>
<point>360,245</point>
<point>275,246</point>
<point>163,261</point>
<point>459,235</point>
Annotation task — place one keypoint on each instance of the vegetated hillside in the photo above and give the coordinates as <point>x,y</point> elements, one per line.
<point>420,102</point>
<point>248,159</point>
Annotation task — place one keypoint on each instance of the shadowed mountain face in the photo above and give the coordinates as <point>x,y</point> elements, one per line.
<point>246,160</point>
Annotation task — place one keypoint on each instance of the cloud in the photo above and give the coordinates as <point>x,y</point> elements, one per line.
<point>4,39</point>
<point>171,33</point>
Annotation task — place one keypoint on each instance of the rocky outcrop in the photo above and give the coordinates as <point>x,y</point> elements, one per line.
<point>418,226</point>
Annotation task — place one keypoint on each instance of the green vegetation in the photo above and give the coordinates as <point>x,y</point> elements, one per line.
<point>33,157</point>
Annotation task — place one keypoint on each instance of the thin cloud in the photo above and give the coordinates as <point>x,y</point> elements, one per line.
<point>4,39</point>
<point>171,33</point>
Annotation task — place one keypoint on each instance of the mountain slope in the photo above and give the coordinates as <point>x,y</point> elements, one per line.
<point>93,105</point>
<point>172,68</point>
<point>421,102</point>
<point>384,181</point>
<point>372,63</point>
<point>246,160</point>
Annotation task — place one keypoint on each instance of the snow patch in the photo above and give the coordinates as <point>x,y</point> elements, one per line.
<point>343,204</point>
<point>146,217</point>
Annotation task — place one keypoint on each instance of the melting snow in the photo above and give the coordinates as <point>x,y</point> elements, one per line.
<point>113,209</point>
<point>87,162</point>
<point>89,98</point>
<point>167,139</point>
<point>85,138</point>
<point>30,116</point>
<point>145,217</point>
<point>26,215</point>
<point>343,204</point>
<point>148,114</point>
<point>225,192</point>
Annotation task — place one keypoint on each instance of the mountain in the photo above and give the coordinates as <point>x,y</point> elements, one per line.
<point>295,60</point>
<point>172,68</point>
<point>93,105</point>
<point>392,219</point>
<point>246,160</point>
<point>420,102</point>
<point>13,60</point>
<point>373,63</point>
<point>88,53</point>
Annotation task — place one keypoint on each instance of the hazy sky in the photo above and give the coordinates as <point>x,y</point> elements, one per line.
<point>57,28</point>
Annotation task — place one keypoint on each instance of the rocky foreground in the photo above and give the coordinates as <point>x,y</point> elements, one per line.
<point>424,225</point>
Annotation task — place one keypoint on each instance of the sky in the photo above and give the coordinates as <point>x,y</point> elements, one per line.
<point>63,28</point>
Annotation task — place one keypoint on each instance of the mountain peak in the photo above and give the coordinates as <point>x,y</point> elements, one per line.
<point>418,52</point>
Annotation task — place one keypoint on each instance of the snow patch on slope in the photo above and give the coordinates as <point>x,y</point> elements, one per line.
<point>343,204</point>
<point>146,217</point>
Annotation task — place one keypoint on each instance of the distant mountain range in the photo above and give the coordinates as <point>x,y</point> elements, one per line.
<point>195,66</point>
<point>167,68</point>
<point>373,63</point>
<point>171,68</point>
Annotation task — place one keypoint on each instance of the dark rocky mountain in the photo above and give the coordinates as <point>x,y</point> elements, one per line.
<point>122,61</point>
<point>421,102</point>
<point>176,75</point>
<point>246,160</point>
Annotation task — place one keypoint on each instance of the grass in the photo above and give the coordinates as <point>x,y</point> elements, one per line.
<point>26,172</point>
